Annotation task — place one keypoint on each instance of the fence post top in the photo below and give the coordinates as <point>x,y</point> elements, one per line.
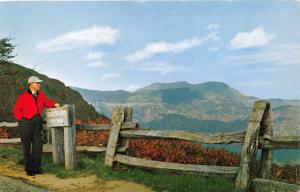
<point>262,101</point>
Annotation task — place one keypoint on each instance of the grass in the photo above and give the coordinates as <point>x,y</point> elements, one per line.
<point>88,164</point>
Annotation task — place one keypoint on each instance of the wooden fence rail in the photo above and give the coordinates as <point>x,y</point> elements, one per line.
<point>275,142</point>
<point>258,134</point>
<point>201,169</point>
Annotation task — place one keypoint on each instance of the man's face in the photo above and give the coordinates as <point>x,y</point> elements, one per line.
<point>35,86</point>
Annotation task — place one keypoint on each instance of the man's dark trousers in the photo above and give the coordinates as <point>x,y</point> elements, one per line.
<point>31,135</point>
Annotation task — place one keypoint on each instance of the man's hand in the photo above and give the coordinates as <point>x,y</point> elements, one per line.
<point>56,105</point>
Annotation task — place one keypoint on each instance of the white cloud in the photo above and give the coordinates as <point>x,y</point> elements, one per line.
<point>94,56</point>
<point>164,47</point>
<point>97,60</point>
<point>97,64</point>
<point>160,67</point>
<point>110,76</point>
<point>213,26</point>
<point>282,54</point>
<point>255,38</point>
<point>92,36</point>
<point>132,87</point>
<point>213,49</point>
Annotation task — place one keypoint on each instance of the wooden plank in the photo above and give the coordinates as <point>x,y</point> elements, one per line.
<point>280,142</point>
<point>234,137</point>
<point>124,142</point>
<point>129,125</point>
<point>266,154</point>
<point>117,119</point>
<point>112,144</point>
<point>128,114</point>
<point>96,127</point>
<point>8,125</point>
<point>117,115</point>
<point>151,164</point>
<point>104,127</point>
<point>265,185</point>
<point>250,145</point>
<point>70,138</point>
<point>275,142</point>
<point>10,141</point>
<point>96,149</point>
<point>47,148</point>
<point>92,149</point>
<point>58,145</point>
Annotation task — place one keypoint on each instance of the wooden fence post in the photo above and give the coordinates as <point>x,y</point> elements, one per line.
<point>58,145</point>
<point>116,121</point>
<point>266,154</point>
<point>127,118</point>
<point>63,131</point>
<point>128,114</point>
<point>250,145</point>
<point>70,139</point>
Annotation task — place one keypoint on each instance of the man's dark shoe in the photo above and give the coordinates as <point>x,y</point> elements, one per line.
<point>30,173</point>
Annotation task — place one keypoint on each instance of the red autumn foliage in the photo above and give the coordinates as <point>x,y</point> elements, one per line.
<point>286,173</point>
<point>179,151</point>
<point>3,133</point>
<point>91,138</point>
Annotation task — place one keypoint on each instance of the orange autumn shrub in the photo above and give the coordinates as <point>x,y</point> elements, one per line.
<point>3,133</point>
<point>285,173</point>
<point>91,138</point>
<point>179,151</point>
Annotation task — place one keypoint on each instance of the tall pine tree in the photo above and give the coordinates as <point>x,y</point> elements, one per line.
<point>6,49</point>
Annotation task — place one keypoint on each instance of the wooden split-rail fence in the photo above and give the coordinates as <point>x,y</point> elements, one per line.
<point>60,122</point>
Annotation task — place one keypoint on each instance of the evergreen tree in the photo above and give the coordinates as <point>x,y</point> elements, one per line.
<point>6,49</point>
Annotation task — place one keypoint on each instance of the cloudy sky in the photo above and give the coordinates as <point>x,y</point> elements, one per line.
<point>253,47</point>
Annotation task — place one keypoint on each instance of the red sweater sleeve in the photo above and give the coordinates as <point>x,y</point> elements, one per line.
<point>49,102</point>
<point>17,109</point>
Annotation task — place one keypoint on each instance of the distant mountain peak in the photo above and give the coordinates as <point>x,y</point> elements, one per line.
<point>216,83</point>
<point>183,84</point>
<point>160,86</point>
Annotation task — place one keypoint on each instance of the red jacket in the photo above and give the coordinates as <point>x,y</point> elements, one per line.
<point>27,106</point>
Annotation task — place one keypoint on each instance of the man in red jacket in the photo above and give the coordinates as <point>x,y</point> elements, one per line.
<point>28,111</point>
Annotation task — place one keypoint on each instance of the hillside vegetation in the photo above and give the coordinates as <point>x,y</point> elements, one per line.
<point>13,81</point>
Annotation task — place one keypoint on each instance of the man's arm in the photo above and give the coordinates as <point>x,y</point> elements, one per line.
<point>50,102</point>
<point>17,109</point>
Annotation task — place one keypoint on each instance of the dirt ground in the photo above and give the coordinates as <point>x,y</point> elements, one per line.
<point>78,184</point>
<point>15,185</point>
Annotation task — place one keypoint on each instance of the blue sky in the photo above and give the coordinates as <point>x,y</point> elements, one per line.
<point>252,46</point>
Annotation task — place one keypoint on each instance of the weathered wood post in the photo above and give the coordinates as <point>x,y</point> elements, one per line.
<point>127,118</point>
<point>266,154</point>
<point>250,145</point>
<point>58,145</point>
<point>70,139</point>
<point>61,120</point>
<point>116,121</point>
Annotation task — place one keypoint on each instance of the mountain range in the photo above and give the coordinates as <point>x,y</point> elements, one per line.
<point>207,107</point>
